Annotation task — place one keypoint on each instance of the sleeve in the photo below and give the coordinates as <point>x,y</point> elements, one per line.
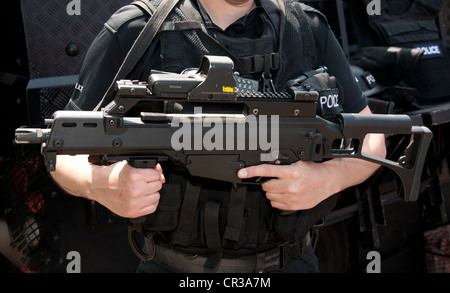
<point>330,54</point>
<point>105,56</point>
<point>102,61</point>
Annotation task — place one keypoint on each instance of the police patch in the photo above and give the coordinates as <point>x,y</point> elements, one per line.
<point>330,102</point>
<point>431,50</point>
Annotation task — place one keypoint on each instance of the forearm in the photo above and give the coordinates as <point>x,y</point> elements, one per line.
<point>129,192</point>
<point>347,172</point>
<point>357,171</point>
<point>75,175</point>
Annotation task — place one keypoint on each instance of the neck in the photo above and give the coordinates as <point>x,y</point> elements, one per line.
<point>223,13</point>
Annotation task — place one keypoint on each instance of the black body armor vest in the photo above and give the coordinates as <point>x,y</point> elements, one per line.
<point>184,31</point>
<point>206,217</point>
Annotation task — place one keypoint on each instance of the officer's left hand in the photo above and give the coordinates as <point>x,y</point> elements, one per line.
<point>301,185</point>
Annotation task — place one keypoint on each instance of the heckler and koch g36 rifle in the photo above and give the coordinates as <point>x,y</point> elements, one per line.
<point>196,141</point>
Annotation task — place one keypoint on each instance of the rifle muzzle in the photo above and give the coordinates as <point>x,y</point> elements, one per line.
<point>31,135</point>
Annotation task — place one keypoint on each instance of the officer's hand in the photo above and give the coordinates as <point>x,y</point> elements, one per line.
<point>131,192</point>
<point>298,186</point>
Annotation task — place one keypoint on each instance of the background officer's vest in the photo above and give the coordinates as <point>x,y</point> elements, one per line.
<point>414,24</point>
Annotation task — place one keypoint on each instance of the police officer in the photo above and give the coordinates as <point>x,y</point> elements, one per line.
<point>268,41</point>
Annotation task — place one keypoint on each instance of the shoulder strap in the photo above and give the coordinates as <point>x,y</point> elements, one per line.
<point>141,44</point>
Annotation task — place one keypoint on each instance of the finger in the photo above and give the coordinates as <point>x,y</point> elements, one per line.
<point>264,170</point>
<point>138,190</point>
<point>154,186</point>
<point>159,168</point>
<point>277,201</point>
<point>280,206</point>
<point>147,209</point>
<point>272,196</point>
<point>152,203</point>
<point>151,174</point>
<point>147,174</point>
<point>151,199</point>
<point>276,186</point>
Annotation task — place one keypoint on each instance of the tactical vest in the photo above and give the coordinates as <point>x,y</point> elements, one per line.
<point>214,218</point>
<point>414,24</point>
<point>186,31</point>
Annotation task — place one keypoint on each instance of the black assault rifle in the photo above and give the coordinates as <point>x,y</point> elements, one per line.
<point>216,145</point>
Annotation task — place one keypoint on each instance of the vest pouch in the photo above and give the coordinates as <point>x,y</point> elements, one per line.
<point>246,230</point>
<point>431,75</point>
<point>409,32</point>
<point>165,218</point>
